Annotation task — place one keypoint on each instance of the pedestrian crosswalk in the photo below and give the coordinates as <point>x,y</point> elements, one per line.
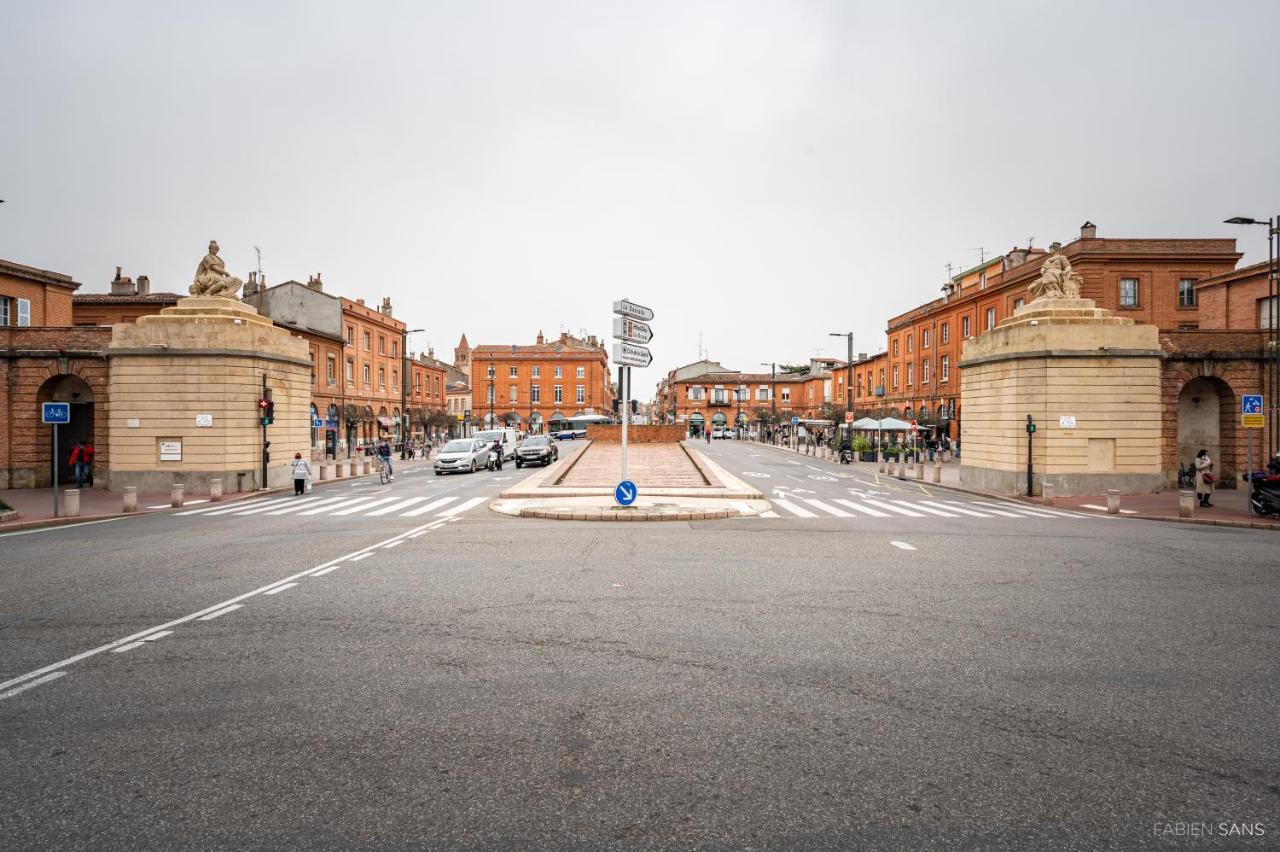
<point>811,508</point>
<point>345,505</point>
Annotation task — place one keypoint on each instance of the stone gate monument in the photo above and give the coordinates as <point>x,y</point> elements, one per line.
<point>1090,381</point>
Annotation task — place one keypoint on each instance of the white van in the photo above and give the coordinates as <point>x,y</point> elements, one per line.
<point>509,438</point>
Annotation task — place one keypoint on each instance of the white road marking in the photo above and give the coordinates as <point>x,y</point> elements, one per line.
<point>361,556</point>
<point>226,609</point>
<point>59,528</point>
<point>278,589</point>
<point>360,507</point>
<point>128,647</point>
<point>203,615</point>
<point>392,544</point>
<point>755,474</point>
<point>822,477</point>
<point>794,509</point>
<point>185,503</point>
<point>422,510</point>
<point>461,507</point>
<point>239,506</point>
<point>902,545</point>
<point>955,508</point>
<point>307,504</point>
<point>1000,512</point>
<point>939,512</point>
<point>1104,508</point>
<point>858,507</point>
<point>30,684</point>
<point>770,514</point>
<point>830,510</point>
<point>1026,510</point>
<point>893,507</point>
<point>154,636</point>
<point>395,507</point>
<point>811,467</point>
<point>323,506</point>
<point>324,571</point>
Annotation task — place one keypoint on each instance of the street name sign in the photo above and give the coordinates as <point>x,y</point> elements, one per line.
<point>1251,403</point>
<point>632,331</point>
<point>55,412</point>
<point>626,492</point>
<point>630,355</point>
<point>625,308</point>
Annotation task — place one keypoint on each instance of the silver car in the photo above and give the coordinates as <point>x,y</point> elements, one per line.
<point>462,454</point>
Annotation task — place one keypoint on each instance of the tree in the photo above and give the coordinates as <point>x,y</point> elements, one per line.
<point>794,369</point>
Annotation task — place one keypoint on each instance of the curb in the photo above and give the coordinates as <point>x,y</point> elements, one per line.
<point>615,515</point>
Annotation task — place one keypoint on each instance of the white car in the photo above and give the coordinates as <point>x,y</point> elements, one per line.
<point>717,433</point>
<point>462,455</point>
<point>509,438</point>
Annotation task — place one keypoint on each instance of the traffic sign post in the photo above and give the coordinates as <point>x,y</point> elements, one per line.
<point>630,355</point>
<point>55,414</point>
<point>626,492</point>
<point>632,329</point>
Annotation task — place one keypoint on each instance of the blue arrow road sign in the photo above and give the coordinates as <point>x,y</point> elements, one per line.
<point>625,493</point>
<point>795,421</point>
<point>1251,403</point>
<point>55,412</point>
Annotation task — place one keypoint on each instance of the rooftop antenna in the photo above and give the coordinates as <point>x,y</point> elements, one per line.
<point>982,255</point>
<point>702,353</point>
<point>1030,240</point>
<point>950,266</point>
<point>258,251</point>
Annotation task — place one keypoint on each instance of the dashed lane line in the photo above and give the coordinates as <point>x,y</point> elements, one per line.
<point>902,545</point>
<point>30,684</point>
<point>278,589</point>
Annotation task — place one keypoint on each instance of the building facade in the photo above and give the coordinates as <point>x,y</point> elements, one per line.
<point>126,302</point>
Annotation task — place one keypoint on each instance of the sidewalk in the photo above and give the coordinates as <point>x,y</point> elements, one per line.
<point>1230,507</point>
<point>35,505</point>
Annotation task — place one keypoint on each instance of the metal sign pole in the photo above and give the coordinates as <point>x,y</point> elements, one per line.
<point>626,415</point>
<point>1248,475</point>
<point>55,470</point>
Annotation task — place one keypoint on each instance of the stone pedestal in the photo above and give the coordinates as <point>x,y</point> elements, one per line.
<point>185,385</point>
<point>1090,380</point>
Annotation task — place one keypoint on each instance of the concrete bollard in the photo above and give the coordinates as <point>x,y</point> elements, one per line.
<point>1046,493</point>
<point>176,495</point>
<point>1186,504</point>
<point>327,472</point>
<point>1113,501</point>
<point>881,461</point>
<point>920,471</point>
<point>130,499</point>
<point>344,469</point>
<point>71,503</point>
<point>902,468</point>
<point>937,472</point>
<point>215,490</point>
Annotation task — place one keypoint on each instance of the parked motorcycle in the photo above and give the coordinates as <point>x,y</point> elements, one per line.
<point>1264,494</point>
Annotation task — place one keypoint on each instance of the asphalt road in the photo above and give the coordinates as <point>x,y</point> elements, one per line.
<point>474,680</point>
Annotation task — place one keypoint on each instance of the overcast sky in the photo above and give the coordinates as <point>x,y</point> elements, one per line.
<point>757,173</point>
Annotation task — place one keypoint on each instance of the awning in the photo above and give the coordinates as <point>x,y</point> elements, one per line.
<point>387,421</point>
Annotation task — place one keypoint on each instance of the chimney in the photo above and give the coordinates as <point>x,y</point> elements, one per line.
<point>541,339</point>
<point>360,302</point>
<point>1088,231</point>
<point>120,285</point>
<point>314,283</point>
<point>251,286</point>
<point>144,285</point>
<point>591,341</point>
<point>862,356</point>
<point>1016,257</point>
<point>385,309</point>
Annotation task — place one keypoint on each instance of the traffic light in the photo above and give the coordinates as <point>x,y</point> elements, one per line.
<point>635,407</point>
<point>266,411</point>
<point>617,405</point>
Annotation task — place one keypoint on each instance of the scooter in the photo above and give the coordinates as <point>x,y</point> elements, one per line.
<point>495,459</point>
<point>846,455</point>
<point>1264,495</point>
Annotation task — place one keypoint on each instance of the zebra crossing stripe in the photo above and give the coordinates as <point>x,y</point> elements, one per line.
<point>395,507</point>
<point>830,510</point>
<point>953,509</point>
<point>938,512</point>
<point>236,507</point>
<point>305,501</point>
<point>893,508</point>
<point>461,507</point>
<point>993,511</point>
<point>305,504</point>
<point>1026,510</point>
<point>769,514</point>
<point>361,506</point>
<point>422,510</point>
<point>793,509</point>
<point>346,502</point>
<point>858,507</point>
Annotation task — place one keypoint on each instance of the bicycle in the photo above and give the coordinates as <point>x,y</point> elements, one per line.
<point>384,471</point>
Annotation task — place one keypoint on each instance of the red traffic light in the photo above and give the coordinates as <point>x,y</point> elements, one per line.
<point>263,403</point>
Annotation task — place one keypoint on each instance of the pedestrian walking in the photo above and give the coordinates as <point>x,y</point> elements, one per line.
<point>301,473</point>
<point>1204,478</point>
<point>86,459</point>
<point>77,463</point>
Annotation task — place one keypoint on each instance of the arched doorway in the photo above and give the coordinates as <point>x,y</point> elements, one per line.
<point>535,424</point>
<point>695,424</point>
<point>1204,406</point>
<point>76,391</point>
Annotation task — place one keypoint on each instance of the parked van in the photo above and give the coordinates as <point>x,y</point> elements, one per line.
<point>509,438</point>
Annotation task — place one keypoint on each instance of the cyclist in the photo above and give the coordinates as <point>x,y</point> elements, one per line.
<point>384,454</point>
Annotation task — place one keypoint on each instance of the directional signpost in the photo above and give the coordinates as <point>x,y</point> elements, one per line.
<point>55,414</point>
<point>631,327</point>
<point>1251,417</point>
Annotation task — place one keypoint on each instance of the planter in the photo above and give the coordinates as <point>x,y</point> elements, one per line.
<point>868,456</point>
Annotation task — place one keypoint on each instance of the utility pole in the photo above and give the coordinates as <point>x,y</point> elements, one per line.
<point>265,443</point>
<point>404,389</point>
<point>848,382</point>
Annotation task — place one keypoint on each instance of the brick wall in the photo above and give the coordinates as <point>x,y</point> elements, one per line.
<point>663,434</point>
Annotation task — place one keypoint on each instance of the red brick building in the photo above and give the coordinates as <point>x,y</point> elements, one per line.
<point>126,302</point>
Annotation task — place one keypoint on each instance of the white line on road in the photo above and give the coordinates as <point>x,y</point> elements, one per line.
<point>361,506</point>
<point>461,507</point>
<point>30,684</point>
<point>770,514</point>
<point>892,507</point>
<point>858,507</point>
<point>395,507</point>
<point>324,571</point>
<point>361,556</point>
<point>239,506</point>
<point>921,503</point>
<point>1104,508</point>
<point>57,528</point>
<point>226,609</point>
<point>128,647</point>
<point>154,636</point>
<point>435,504</point>
<point>793,509</point>
<point>278,589</point>
<point>992,511</point>
<point>1026,510</point>
<point>830,510</point>
<point>307,504</point>
<point>392,544</point>
<point>185,503</point>
<point>902,545</point>
<point>938,512</point>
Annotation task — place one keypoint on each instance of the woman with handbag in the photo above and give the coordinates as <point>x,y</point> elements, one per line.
<point>301,473</point>
<point>1204,478</point>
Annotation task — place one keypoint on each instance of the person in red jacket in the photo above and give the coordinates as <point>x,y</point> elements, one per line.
<point>77,463</point>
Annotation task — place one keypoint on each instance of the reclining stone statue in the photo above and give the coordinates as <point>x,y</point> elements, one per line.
<point>1057,279</point>
<point>212,278</point>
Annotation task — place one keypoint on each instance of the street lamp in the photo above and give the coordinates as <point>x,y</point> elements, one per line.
<point>1273,303</point>
<point>404,389</point>
<point>492,375</point>
<point>848,379</point>
<point>773,389</point>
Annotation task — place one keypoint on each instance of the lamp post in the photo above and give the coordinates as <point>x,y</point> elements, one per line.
<point>1273,307</point>
<point>492,375</point>
<point>404,389</point>
<point>773,389</point>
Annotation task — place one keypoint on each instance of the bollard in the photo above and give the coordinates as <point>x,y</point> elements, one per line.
<point>175,495</point>
<point>326,472</point>
<point>1113,501</point>
<point>130,498</point>
<point>344,469</point>
<point>920,471</point>
<point>71,503</point>
<point>1186,504</point>
<point>881,455</point>
<point>1046,493</point>
<point>902,467</point>
<point>937,471</point>
<point>215,490</point>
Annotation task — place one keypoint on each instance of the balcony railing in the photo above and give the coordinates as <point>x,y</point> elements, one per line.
<point>723,403</point>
